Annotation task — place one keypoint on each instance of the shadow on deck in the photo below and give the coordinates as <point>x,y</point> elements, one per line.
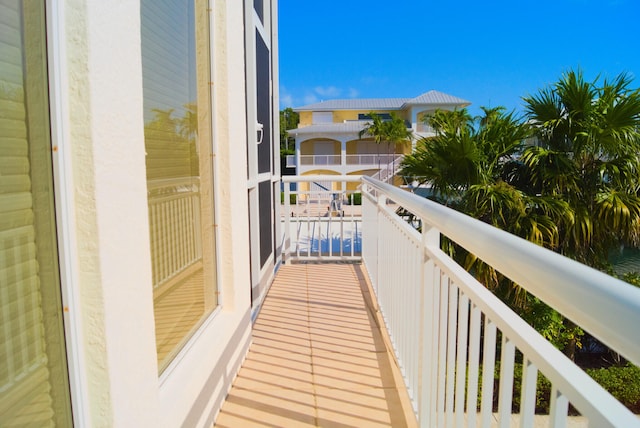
<point>319,357</point>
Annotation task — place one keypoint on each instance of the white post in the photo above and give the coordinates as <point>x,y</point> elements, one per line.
<point>286,250</point>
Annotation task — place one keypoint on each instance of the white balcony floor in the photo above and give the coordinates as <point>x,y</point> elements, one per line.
<point>318,357</point>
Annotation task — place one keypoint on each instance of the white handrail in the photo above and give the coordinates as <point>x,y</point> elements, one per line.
<point>605,306</point>
<point>433,310</point>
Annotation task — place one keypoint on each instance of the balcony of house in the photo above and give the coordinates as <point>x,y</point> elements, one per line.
<point>363,161</point>
<point>370,323</point>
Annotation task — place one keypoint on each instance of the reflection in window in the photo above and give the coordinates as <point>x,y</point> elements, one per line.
<point>34,388</point>
<point>175,65</point>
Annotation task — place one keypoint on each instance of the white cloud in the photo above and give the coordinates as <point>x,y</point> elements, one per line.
<point>286,99</point>
<point>327,91</point>
<point>353,93</point>
<point>310,99</point>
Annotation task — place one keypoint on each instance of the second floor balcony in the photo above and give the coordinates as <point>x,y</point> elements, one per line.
<point>464,358</point>
<point>367,160</point>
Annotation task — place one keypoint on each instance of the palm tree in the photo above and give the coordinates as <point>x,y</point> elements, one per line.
<point>392,131</point>
<point>471,165</point>
<point>587,155</point>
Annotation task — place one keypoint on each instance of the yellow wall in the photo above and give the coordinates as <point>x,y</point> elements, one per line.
<point>339,116</point>
<point>401,148</point>
<point>305,118</point>
<point>304,186</point>
<point>307,147</point>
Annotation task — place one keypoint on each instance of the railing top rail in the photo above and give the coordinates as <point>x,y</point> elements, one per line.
<point>606,307</point>
<point>319,177</point>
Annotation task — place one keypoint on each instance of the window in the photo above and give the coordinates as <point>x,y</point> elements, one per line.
<point>318,117</point>
<point>175,66</point>
<point>366,116</point>
<point>34,389</point>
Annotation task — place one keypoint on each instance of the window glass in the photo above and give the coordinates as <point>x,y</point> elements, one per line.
<point>175,65</point>
<point>34,388</point>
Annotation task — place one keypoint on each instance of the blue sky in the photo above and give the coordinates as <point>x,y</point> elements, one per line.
<point>490,53</point>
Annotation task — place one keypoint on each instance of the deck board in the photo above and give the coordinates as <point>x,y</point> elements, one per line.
<point>318,357</point>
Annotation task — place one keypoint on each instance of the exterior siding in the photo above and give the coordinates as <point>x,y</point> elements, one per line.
<point>100,173</point>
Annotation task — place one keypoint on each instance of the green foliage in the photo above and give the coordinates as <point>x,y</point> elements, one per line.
<point>355,199</point>
<point>632,278</point>
<point>589,139</point>
<point>621,382</point>
<point>292,198</point>
<point>391,132</point>
<point>575,191</point>
<point>550,324</point>
<point>289,119</point>
<point>543,390</point>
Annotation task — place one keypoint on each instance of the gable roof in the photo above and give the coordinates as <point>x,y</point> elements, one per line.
<point>431,97</point>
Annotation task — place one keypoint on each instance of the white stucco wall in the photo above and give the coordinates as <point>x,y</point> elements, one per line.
<point>105,146</point>
<point>106,241</point>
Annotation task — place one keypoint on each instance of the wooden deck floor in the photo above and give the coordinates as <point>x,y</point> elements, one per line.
<point>318,358</point>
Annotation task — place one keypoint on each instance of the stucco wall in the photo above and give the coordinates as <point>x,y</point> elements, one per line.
<point>306,118</point>
<point>102,109</point>
<point>106,246</point>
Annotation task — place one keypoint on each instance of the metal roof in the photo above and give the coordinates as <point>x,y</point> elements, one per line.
<point>437,97</point>
<point>323,128</point>
<point>366,104</point>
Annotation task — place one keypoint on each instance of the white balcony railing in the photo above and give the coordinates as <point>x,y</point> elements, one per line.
<point>320,160</point>
<point>371,159</point>
<point>448,331</point>
<point>362,159</point>
<point>321,220</point>
<point>175,229</point>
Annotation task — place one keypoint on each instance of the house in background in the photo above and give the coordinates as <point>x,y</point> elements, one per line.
<point>327,138</point>
<point>137,180</point>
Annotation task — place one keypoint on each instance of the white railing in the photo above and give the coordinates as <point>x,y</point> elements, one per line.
<point>175,229</point>
<point>320,160</point>
<point>321,220</point>
<point>370,159</point>
<point>441,320</point>
<point>291,161</point>
<point>362,159</point>
<point>387,172</point>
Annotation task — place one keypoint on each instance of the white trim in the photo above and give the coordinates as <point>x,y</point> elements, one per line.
<point>251,86</point>
<point>214,154</point>
<point>264,176</point>
<point>261,27</point>
<point>65,209</point>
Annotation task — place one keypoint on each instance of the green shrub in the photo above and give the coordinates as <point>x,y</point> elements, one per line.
<point>292,198</point>
<point>355,199</point>
<point>621,382</point>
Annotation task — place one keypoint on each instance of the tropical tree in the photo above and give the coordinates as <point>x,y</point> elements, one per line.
<point>390,131</point>
<point>575,191</point>
<point>588,155</point>
<point>289,119</point>
<point>470,165</point>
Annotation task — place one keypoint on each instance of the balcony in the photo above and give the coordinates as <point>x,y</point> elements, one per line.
<point>445,331</point>
<point>369,160</point>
